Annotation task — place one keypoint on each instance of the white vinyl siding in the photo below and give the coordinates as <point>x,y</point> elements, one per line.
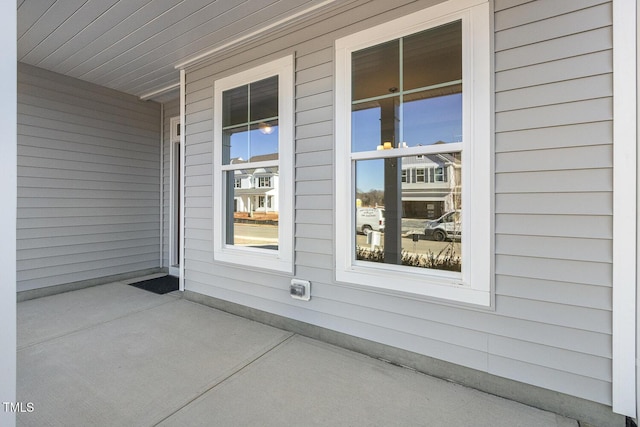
<point>88,181</point>
<point>552,321</point>
<point>554,187</point>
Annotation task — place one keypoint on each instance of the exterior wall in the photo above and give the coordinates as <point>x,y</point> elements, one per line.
<point>171,109</point>
<point>554,192</point>
<point>8,187</point>
<point>88,181</point>
<point>553,201</point>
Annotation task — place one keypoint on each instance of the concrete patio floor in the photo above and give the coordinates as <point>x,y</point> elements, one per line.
<point>115,355</point>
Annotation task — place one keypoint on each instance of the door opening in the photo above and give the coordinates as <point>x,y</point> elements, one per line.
<point>175,199</point>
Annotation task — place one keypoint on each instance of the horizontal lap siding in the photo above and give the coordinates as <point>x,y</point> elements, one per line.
<point>88,181</point>
<point>553,187</point>
<point>551,326</point>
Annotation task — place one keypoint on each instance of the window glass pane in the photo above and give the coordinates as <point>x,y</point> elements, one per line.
<point>252,208</point>
<point>235,145</point>
<point>432,117</point>
<point>263,141</point>
<point>365,127</point>
<point>433,56</point>
<point>264,99</point>
<point>234,106</point>
<point>374,123</point>
<point>376,71</point>
<point>423,229</point>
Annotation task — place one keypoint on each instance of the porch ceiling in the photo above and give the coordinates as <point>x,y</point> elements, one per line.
<point>133,45</point>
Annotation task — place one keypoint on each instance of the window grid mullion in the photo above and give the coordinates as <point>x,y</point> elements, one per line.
<point>401,78</point>
<point>454,147</point>
<point>251,165</point>
<point>408,92</point>
<point>249,123</point>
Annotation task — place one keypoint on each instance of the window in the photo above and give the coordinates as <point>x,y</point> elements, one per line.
<point>414,94</point>
<point>253,137</point>
<point>264,181</point>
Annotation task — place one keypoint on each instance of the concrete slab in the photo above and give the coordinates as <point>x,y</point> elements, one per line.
<point>306,382</point>
<point>57,315</point>
<point>115,355</point>
<point>137,368</point>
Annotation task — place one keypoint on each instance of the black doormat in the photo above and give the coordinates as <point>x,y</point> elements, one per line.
<point>160,285</point>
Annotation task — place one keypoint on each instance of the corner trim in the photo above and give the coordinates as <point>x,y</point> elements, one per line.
<point>624,207</point>
<point>183,127</point>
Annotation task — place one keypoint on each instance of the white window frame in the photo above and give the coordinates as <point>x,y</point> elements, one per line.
<point>473,285</point>
<point>281,259</point>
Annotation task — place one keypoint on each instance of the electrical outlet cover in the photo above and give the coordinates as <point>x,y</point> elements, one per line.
<point>300,289</point>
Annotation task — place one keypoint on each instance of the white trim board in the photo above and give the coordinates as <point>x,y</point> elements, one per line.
<point>624,207</point>
<point>8,174</point>
<point>183,98</point>
<point>288,20</point>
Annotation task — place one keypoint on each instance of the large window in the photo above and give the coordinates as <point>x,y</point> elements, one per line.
<point>413,141</point>
<point>253,114</point>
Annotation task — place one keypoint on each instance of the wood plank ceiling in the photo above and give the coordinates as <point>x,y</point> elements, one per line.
<point>133,45</point>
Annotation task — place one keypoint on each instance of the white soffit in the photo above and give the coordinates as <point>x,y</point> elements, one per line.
<point>134,45</point>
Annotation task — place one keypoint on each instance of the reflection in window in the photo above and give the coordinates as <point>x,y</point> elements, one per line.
<point>255,216</point>
<point>408,93</point>
<point>264,181</point>
<point>250,122</point>
<point>425,230</point>
<point>422,108</point>
<point>250,140</point>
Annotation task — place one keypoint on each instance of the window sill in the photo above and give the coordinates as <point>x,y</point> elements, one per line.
<point>443,287</point>
<point>255,258</point>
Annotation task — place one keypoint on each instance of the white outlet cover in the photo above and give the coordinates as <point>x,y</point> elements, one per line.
<point>307,289</point>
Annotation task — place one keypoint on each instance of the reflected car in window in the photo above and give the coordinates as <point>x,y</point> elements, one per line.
<point>447,227</point>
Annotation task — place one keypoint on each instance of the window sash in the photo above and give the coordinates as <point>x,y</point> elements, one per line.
<point>280,259</point>
<point>474,287</point>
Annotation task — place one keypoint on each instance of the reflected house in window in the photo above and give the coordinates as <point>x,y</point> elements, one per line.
<point>431,185</point>
<point>256,190</point>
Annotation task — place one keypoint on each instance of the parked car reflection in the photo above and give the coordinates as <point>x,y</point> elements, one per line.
<point>447,227</point>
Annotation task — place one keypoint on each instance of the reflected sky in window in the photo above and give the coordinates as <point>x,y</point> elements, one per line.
<point>247,144</point>
<point>424,122</point>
